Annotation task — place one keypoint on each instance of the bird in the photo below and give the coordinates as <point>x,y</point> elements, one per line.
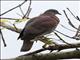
<point>43,24</point>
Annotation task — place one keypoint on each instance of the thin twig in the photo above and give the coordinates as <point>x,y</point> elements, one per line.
<point>21,10</point>
<point>27,10</point>
<point>28,13</point>
<point>67,28</point>
<point>56,47</point>
<point>64,34</point>
<point>70,23</point>
<point>71,13</point>
<point>15,27</point>
<point>19,15</point>
<point>8,18</point>
<point>60,38</point>
<point>63,40</point>
<point>3,38</point>
<point>76,17</point>
<point>77,33</point>
<point>13,8</point>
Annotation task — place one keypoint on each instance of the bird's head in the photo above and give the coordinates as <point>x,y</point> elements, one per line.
<point>52,11</point>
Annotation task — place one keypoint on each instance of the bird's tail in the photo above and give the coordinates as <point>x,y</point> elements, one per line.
<point>27,44</point>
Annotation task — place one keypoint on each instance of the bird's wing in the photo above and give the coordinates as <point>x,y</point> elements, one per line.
<point>38,26</point>
<point>21,33</point>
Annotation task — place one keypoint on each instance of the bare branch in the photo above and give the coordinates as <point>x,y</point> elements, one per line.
<point>55,47</point>
<point>60,38</point>
<point>67,28</point>
<point>28,11</point>
<point>71,13</point>
<point>77,35</point>
<point>76,17</point>
<point>64,34</point>
<point>3,38</point>
<point>78,31</point>
<point>21,10</point>
<point>70,23</point>
<point>10,27</point>
<point>19,15</point>
<point>13,8</point>
<point>51,56</point>
<point>15,26</point>
<point>8,18</point>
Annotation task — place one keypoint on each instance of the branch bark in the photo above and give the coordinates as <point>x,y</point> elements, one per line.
<point>51,56</point>
<point>10,27</point>
<point>55,47</point>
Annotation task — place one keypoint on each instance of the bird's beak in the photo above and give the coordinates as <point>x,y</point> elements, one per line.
<point>59,13</point>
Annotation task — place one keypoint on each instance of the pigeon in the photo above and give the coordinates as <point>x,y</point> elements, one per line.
<point>43,24</point>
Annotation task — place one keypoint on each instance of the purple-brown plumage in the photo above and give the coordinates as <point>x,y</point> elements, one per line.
<point>40,25</point>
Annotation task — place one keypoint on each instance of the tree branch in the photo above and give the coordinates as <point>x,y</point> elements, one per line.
<point>10,27</point>
<point>69,21</point>
<point>76,17</point>
<point>51,56</point>
<point>64,34</point>
<point>77,35</point>
<point>3,38</point>
<point>67,28</point>
<point>9,18</point>
<point>13,8</point>
<point>28,11</point>
<point>55,47</point>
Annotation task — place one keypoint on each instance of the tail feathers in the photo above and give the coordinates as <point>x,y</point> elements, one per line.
<point>27,44</point>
